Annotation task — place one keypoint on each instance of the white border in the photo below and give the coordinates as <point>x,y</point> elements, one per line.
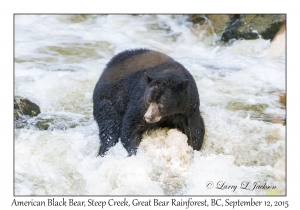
<point>8,8</point>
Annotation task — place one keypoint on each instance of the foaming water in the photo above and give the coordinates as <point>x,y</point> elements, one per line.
<point>58,60</point>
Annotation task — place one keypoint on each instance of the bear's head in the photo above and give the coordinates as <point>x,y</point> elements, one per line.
<point>165,95</point>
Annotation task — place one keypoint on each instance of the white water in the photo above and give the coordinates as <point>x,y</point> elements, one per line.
<point>58,60</point>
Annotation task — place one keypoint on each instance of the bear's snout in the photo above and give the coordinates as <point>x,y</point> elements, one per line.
<point>152,114</point>
<point>148,118</point>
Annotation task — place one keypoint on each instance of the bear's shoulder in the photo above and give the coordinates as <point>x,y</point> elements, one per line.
<point>124,55</point>
<point>130,62</point>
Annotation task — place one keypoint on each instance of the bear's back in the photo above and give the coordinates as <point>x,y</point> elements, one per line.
<point>131,61</point>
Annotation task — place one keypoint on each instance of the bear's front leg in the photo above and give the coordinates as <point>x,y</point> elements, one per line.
<point>132,130</point>
<point>109,122</point>
<point>195,130</point>
<point>131,143</point>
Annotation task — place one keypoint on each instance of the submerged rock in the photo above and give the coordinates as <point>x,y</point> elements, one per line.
<point>77,18</point>
<point>218,22</point>
<point>282,99</point>
<point>52,122</point>
<point>23,106</point>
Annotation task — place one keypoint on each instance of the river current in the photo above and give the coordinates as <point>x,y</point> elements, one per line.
<point>58,60</point>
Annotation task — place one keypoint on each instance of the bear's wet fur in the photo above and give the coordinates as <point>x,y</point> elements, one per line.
<point>143,89</point>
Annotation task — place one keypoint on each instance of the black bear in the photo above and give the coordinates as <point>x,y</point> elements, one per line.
<point>141,90</point>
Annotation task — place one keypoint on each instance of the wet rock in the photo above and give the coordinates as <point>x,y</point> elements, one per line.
<point>272,30</point>
<point>253,26</point>
<point>23,106</point>
<point>240,26</point>
<point>17,112</point>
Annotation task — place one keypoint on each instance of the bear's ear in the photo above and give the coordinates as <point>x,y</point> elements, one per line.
<point>183,85</point>
<point>148,79</point>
